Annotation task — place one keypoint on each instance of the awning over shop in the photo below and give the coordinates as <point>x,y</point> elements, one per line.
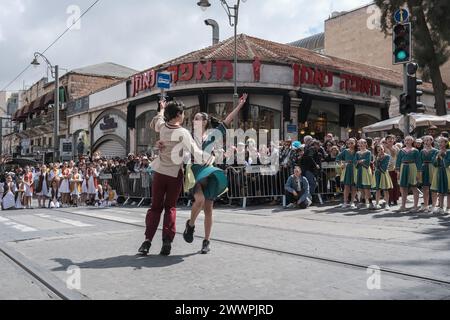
<point>44,101</point>
<point>417,120</point>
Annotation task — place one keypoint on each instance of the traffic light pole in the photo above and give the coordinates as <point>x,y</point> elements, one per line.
<point>405,90</point>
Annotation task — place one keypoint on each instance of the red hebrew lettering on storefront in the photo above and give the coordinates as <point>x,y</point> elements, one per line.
<point>296,68</point>
<point>319,76</point>
<point>224,65</point>
<point>137,84</point>
<point>366,86</point>
<point>356,84</point>
<point>376,89</point>
<point>345,82</point>
<point>186,71</point>
<point>307,75</point>
<point>148,80</point>
<point>257,69</point>
<point>329,83</point>
<point>174,71</point>
<point>204,70</point>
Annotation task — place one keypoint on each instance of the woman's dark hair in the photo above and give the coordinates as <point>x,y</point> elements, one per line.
<point>173,110</point>
<point>212,122</point>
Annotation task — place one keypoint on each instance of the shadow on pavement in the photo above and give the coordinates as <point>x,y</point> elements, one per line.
<point>125,261</point>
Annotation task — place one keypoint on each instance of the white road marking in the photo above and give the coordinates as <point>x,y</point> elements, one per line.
<point>65,221</point>
<point>107,217</point>
<point>17,226</point>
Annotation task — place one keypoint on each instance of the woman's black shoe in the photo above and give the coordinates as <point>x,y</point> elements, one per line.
<point>145,248</point>
<point>188,233</point>
<point>166,248</point>
<point>205,247</point>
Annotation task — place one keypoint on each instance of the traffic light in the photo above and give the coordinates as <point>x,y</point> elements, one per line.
<point>402,43</point>
<point>412,91</point>
<point>405,104</point>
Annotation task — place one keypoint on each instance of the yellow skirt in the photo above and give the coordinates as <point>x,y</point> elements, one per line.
<point>382,181</point>
<point>408,175</point>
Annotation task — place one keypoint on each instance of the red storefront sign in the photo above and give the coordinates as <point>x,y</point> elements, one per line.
<point>303,75</point>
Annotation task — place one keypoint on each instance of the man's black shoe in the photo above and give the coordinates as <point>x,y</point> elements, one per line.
<point>166,248</point>
<point>205,247</point>
<point>188,233</point>
<point>145,248</point>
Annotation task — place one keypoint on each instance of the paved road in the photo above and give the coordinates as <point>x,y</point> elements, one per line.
<point>258,253</point>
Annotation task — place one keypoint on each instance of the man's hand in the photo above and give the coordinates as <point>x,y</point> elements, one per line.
<point>243,99</point>
<point>163,104</point>
<point>160,145</point>
<point>295,194</point>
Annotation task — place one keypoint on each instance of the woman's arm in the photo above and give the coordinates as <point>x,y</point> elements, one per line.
<point>236,110</point>
<point>158,122</point>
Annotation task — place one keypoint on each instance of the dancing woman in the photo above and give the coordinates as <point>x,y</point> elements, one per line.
<point>347,158</point>
<point>167,179</point>
<point>210,182</point>
<point>441,178</point>
<point>363,178</point>
<point>381,179</point>
<point>427,156</point>
<point>409,169</point>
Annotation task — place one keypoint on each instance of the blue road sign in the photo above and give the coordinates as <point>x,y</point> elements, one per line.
<point>164,80</point>
<point>291,128</point>
<point>401,16</point>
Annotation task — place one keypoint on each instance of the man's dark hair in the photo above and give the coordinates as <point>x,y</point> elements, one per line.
<point>173,110</point>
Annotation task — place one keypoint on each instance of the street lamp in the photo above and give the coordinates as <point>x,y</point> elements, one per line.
<point>55,75</point>
<point>233,16</point>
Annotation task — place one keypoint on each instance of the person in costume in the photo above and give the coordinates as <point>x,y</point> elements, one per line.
<point>64,188</point>
<point>92,183</point>
<point>363,177</point>
<point>9,190</point>
<point>210,182</point>
<point>409,169</point>
<point>441,178</point>
<point>42,187</point>
<point>29,186</point>
<point>76,180</point>
<point>348,173</point>
<point>54,194</point>
<point>391,149</point>
<point>427,156</point>
<point>381,178</point>
<point>167,182</point>
<point>19,196</point>
<point>110,196</point>
<point>84,187</point>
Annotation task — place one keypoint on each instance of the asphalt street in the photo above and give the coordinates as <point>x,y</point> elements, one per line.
<point>257,253</point>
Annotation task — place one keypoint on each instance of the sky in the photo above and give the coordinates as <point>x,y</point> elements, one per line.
<point>140,33</point>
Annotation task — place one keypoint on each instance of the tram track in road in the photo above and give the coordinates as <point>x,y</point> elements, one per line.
<point>53,286</point>
<point>316,258</point>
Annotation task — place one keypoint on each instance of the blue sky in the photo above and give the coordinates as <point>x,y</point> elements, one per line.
<point>141,33</point>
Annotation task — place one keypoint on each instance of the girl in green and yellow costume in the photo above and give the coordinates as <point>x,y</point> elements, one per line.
<point>347,160</point>
<point>409,169</point>
<point>363,177</point>
<point>210,182</point>
<point>381,179</point>
<point>427,156</point>
<point>441,179</point>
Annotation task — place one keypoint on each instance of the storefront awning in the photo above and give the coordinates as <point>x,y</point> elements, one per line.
<point>417,120</point>
<point>44,101</point>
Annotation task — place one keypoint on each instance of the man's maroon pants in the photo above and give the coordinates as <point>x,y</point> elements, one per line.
<point>165,193</point>
<point>394,194</point>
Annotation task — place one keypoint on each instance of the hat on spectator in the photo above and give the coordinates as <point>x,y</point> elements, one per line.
<point>296,145</point>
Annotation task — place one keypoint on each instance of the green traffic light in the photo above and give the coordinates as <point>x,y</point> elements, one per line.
<point>402,55</point>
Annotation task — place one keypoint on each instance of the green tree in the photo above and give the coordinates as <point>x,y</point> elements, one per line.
<point>431,33</point>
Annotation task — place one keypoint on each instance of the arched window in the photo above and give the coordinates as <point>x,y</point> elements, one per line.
<point>146,137</point>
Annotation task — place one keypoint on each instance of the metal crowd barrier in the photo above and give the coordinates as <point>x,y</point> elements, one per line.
<point>244,183</point>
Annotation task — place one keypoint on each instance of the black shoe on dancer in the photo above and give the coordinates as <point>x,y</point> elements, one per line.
<point>188,233</point>
<point>205,247</point>
<point>145,248</point>
<point>166,248</point>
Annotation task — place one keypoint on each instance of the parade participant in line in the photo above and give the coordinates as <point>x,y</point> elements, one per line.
<point>54,194</point>
<point>391,150</point>
<point>427,156</point>
<point>348,174</point>
<point>441,178</point>
<point>20,193</point>
<point>64,188</point>
<point>99,197</point>
<point>55,172</point>
<point>381,179</point>
<point>42,187</point>
<point>409,169</point>
<point>9,191</point>
<point>210,182</point>
<point>92,183</point>
<point>75,186</point>
<point>167,181</point>
<point>363,178</point>
<point>29,186</point>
